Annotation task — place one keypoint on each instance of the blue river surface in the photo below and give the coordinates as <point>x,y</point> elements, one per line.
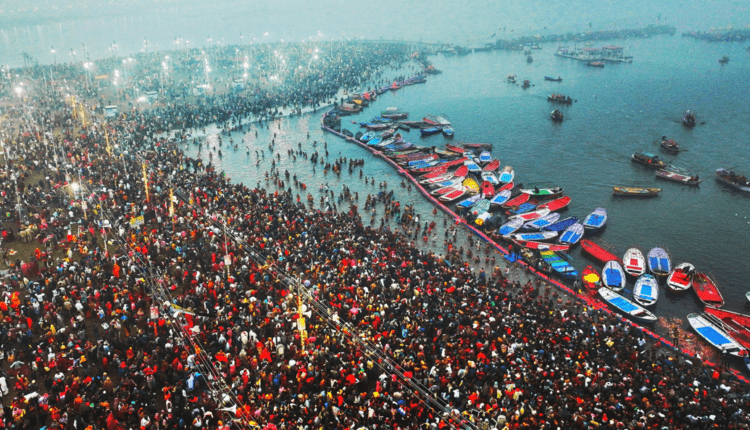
<point>619,109</point>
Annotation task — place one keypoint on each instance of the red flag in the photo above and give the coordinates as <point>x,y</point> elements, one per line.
<point>265,355</point>
<point>189,319</point>
<point>220,356</point>
<point>116,271</point>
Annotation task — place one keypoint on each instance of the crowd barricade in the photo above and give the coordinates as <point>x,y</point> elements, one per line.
<point>460,221</point>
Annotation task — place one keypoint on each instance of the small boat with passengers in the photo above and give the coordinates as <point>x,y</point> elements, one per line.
<point>625,306</point>
<point>648,159</point>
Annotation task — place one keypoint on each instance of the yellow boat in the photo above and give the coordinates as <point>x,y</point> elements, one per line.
<point>636,191</point>
<point>471,185</point>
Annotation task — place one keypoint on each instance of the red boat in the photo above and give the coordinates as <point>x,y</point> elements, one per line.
<point>492,166</point>
<point>461,172</point>
<point>517,201</point>
<point>557,204</point>
<point>454,148</point>
<point>431,122</point>
<point>707,290</point>
<point>598,252</point>
<point>487,189</point>
<point>435,173</point>
<point>591,278</point>
<point>433,168</point>
<point>737,324</point>
<point>540,245</point>
<point>508,186</point>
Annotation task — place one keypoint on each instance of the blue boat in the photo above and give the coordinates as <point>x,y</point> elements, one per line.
<point>658,262</point>
<point>367,136</point>
<point>613,276</point>
<point>448,131</point>
<point>646,290</point>
<point>596,219</point>
<point>626,307</point>
<point>526,207</point>
<point>430,131</point>
<point>537,236</point>
<point>544,221</point>
<point>485,157</point>
<point>572,234</point>
<point>559,264</point>
<point>374,141</point>
<point>472,166</point>
<point>561,224</point>
<point>467,203</point>
<point>510,227</point>
<point>711,329</point>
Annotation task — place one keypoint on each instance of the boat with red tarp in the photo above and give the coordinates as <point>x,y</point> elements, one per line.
<point>736,324</point>
<point>517,201</point>
<point>707,291</point>
<point>438,166</point>
<point>595,250</point>
<point>556,204</point>
<point>532,244</point>
<point>435,173</point>
<point>492,165</point>
<point>455,148</point>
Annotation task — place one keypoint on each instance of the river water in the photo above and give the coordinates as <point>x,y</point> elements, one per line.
<point>619,109</point>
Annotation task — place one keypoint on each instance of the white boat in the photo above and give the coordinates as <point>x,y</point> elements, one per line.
<point>442,178</point>
<point>714,334</point>
<point>473,166</point>
<point>510,227</point>
<point>529,216</point>
<point>506,175</point>
<point>469,202</point>
<point>646,290</point>
<point>500,198</point>
<point>447,183</point>
<point>596,219</point>
<point>572,234</point>
<point>544,221</point>
<point>681,277</point>
<point>489,177</point>
<point>485,157</point>
<point>658,262</point>
<point>634,263</point>
<point>613,276</point>
<point>626,306</point>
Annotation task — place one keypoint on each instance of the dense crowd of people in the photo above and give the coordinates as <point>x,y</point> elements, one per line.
<point>137,310</point>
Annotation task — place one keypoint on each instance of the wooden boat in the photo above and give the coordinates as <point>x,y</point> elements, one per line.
<point>678,177</point>
<point>526,84</point>
<point>557,79</point>
<point>500,198</point>
<point>714,334</point>
<point>473,166</point>
<point>595,220</point>
<point>707,291</point>
<point>646,290</point>
<point>471,185</point>
<point>559,98</point>
<point>543,193</point>
<point>596,251</point>
<point>737,324</point>
<point>418,159</point>
<point>412,124</point>
<point>439,166</point>
<point>477,145</point>
<point>634,263</point>
<point>591,279</point>
<point>681,277</point>
<point>480,206</point>
<point>626,307</point>
<point>541,245</point>
<point>724,60</point>
<point>595,64</point>
<point>506,175</point>
<point>636,191</point>
<point>468,202</point>
<point>447,183</point>
<point>659,262</point>
<point>487,189</point>
<point>485,157</point>
<point>510,227</point>
<point>572,234</point>
<point>430,120</point>
<point>648,159</point>
<point>448,131</point>
<point>445,190</point>
<point>393,113</point>
<point>734,180</point>
<point>509,186</point>
<point>407,154</point>
<point>430,131</point>
<point>454,148</point>
<point>556,204</point>
<point>689,119</point>
<point>491,166</point>
<point>544,221</point>
<point>512,79</point>
<point>530,216</point>
<point>489,177</point>
<point>613,276</point>
<point>516,201</point>
<point>669,145</point>
<point>562,224</point>
<point>453,195</point>
<point>558,264</point>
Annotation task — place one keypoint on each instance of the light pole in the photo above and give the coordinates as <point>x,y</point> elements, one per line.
<point>87,66</point>
<point>117,77</point>
<point>54,54</point>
